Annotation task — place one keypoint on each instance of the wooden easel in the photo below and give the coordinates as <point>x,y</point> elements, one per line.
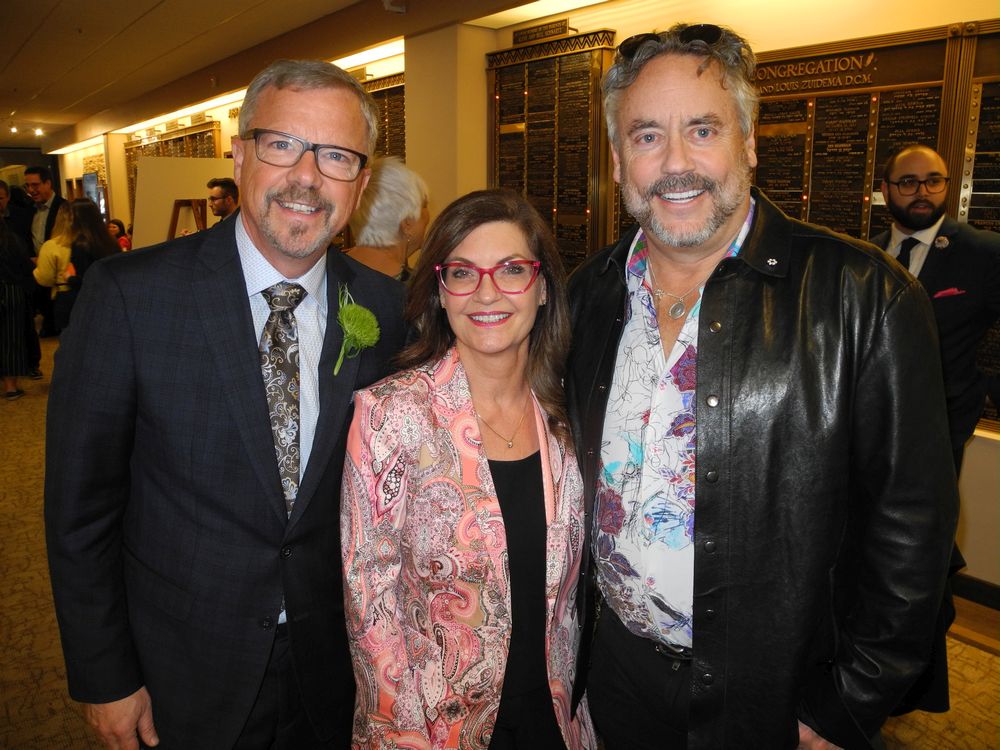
<point>198,208</point>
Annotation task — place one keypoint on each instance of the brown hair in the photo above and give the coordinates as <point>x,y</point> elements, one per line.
<point>550,335</point>
<point>89,230</point>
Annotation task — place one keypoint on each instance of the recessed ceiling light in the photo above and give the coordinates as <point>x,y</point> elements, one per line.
<point>38,131</point>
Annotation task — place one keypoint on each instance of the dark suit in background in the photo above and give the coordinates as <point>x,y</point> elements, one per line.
<point>962,277</point>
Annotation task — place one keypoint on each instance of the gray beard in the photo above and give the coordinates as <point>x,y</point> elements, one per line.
<point>293,231</point>
<point>727,200</point>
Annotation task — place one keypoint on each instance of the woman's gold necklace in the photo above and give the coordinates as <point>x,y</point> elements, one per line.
<point>677,310</point>
<point>510,440</point>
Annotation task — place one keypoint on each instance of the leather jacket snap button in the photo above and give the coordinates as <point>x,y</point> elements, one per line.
<point>712,401</point>
<point>712,476</point>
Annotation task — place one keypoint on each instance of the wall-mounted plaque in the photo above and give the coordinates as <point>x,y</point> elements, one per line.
<point>548,140</point>
<point>783,142</point>
<point>389,93</point>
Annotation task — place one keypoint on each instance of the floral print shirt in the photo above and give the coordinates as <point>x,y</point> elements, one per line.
<point>646,484</point>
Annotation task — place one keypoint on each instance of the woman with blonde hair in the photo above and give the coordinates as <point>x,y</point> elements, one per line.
<point>53,256</point>
<point>79,238</point>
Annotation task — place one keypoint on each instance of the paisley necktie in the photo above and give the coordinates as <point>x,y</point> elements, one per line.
<point>279,364</point>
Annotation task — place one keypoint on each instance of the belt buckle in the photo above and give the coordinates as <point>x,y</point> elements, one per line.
<point>682,653</point>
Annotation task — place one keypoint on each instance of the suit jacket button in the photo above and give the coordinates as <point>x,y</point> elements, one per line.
<point>710,546</point>
<point>707,679</point>
<point>710,614</point>
<point>712,476</point>
<point>286,551</point>
<point>266,623</point>
<point>715,326</point>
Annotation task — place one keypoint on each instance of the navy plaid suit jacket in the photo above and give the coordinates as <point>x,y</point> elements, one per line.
<point>169,547</point>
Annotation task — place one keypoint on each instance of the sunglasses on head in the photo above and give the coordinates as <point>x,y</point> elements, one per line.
<point>707,33</point>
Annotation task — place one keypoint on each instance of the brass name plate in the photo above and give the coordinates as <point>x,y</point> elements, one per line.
<point>542,31</point>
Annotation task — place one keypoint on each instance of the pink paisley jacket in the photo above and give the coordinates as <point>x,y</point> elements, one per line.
<point>426,578</point>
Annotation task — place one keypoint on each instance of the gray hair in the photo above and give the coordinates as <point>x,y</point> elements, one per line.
<point>394,193</point>
<point>732,53</point>
<point>308,74</point>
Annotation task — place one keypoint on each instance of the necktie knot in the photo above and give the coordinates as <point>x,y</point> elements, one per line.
<point>284,296</point>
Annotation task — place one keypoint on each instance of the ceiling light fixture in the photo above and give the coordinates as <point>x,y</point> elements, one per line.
<point>39,132</point>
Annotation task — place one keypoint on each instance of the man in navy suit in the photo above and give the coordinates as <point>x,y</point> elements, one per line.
<point>198,607</point>
<point>958,265</point>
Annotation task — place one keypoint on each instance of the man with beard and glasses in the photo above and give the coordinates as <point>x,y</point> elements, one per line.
<point>958,265</point>
<point>198,417</point>
<point>759,417</point>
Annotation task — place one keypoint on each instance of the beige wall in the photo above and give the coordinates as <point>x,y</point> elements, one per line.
<point>446,111</point>
<point>979,525</point>
<point>160,181</point>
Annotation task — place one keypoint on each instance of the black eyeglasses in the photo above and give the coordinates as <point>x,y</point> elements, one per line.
<point>284,150</point>
<point>708,33</point>
<point>911,185</point>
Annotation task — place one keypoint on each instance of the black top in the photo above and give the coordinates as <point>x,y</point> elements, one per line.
<point>522,503</point>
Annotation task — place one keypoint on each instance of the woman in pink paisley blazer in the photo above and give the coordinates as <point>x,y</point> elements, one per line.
<point>462,515</point>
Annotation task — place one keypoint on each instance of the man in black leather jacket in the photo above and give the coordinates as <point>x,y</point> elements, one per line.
<point>759,415</point>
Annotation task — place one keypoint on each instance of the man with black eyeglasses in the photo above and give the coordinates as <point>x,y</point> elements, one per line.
<point>197,426</point>
<point>958,265</point>
<point>759,417</point>
<point>223,197</point>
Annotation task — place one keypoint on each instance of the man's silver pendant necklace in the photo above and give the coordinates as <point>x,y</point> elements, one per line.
<point>677,310</point>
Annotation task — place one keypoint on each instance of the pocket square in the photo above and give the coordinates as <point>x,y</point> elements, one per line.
<point>949,292</point>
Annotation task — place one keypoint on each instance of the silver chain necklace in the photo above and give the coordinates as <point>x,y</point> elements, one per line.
<point>677,310</point>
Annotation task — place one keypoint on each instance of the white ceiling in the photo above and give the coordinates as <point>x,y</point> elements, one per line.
<point>62,61</point>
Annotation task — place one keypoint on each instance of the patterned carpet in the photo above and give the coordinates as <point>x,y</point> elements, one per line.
<point>37,714</point>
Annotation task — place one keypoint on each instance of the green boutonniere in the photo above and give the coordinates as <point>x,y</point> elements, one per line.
<point>359,324</point>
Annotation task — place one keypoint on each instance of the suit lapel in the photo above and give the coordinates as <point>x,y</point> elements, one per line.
<point>937,257</point>
<point>220,294</point>
<point>335,392</point>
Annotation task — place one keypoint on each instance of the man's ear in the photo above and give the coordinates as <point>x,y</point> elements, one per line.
<point>362,181</point>
<point>616,162</point>
<point>237,144</point>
